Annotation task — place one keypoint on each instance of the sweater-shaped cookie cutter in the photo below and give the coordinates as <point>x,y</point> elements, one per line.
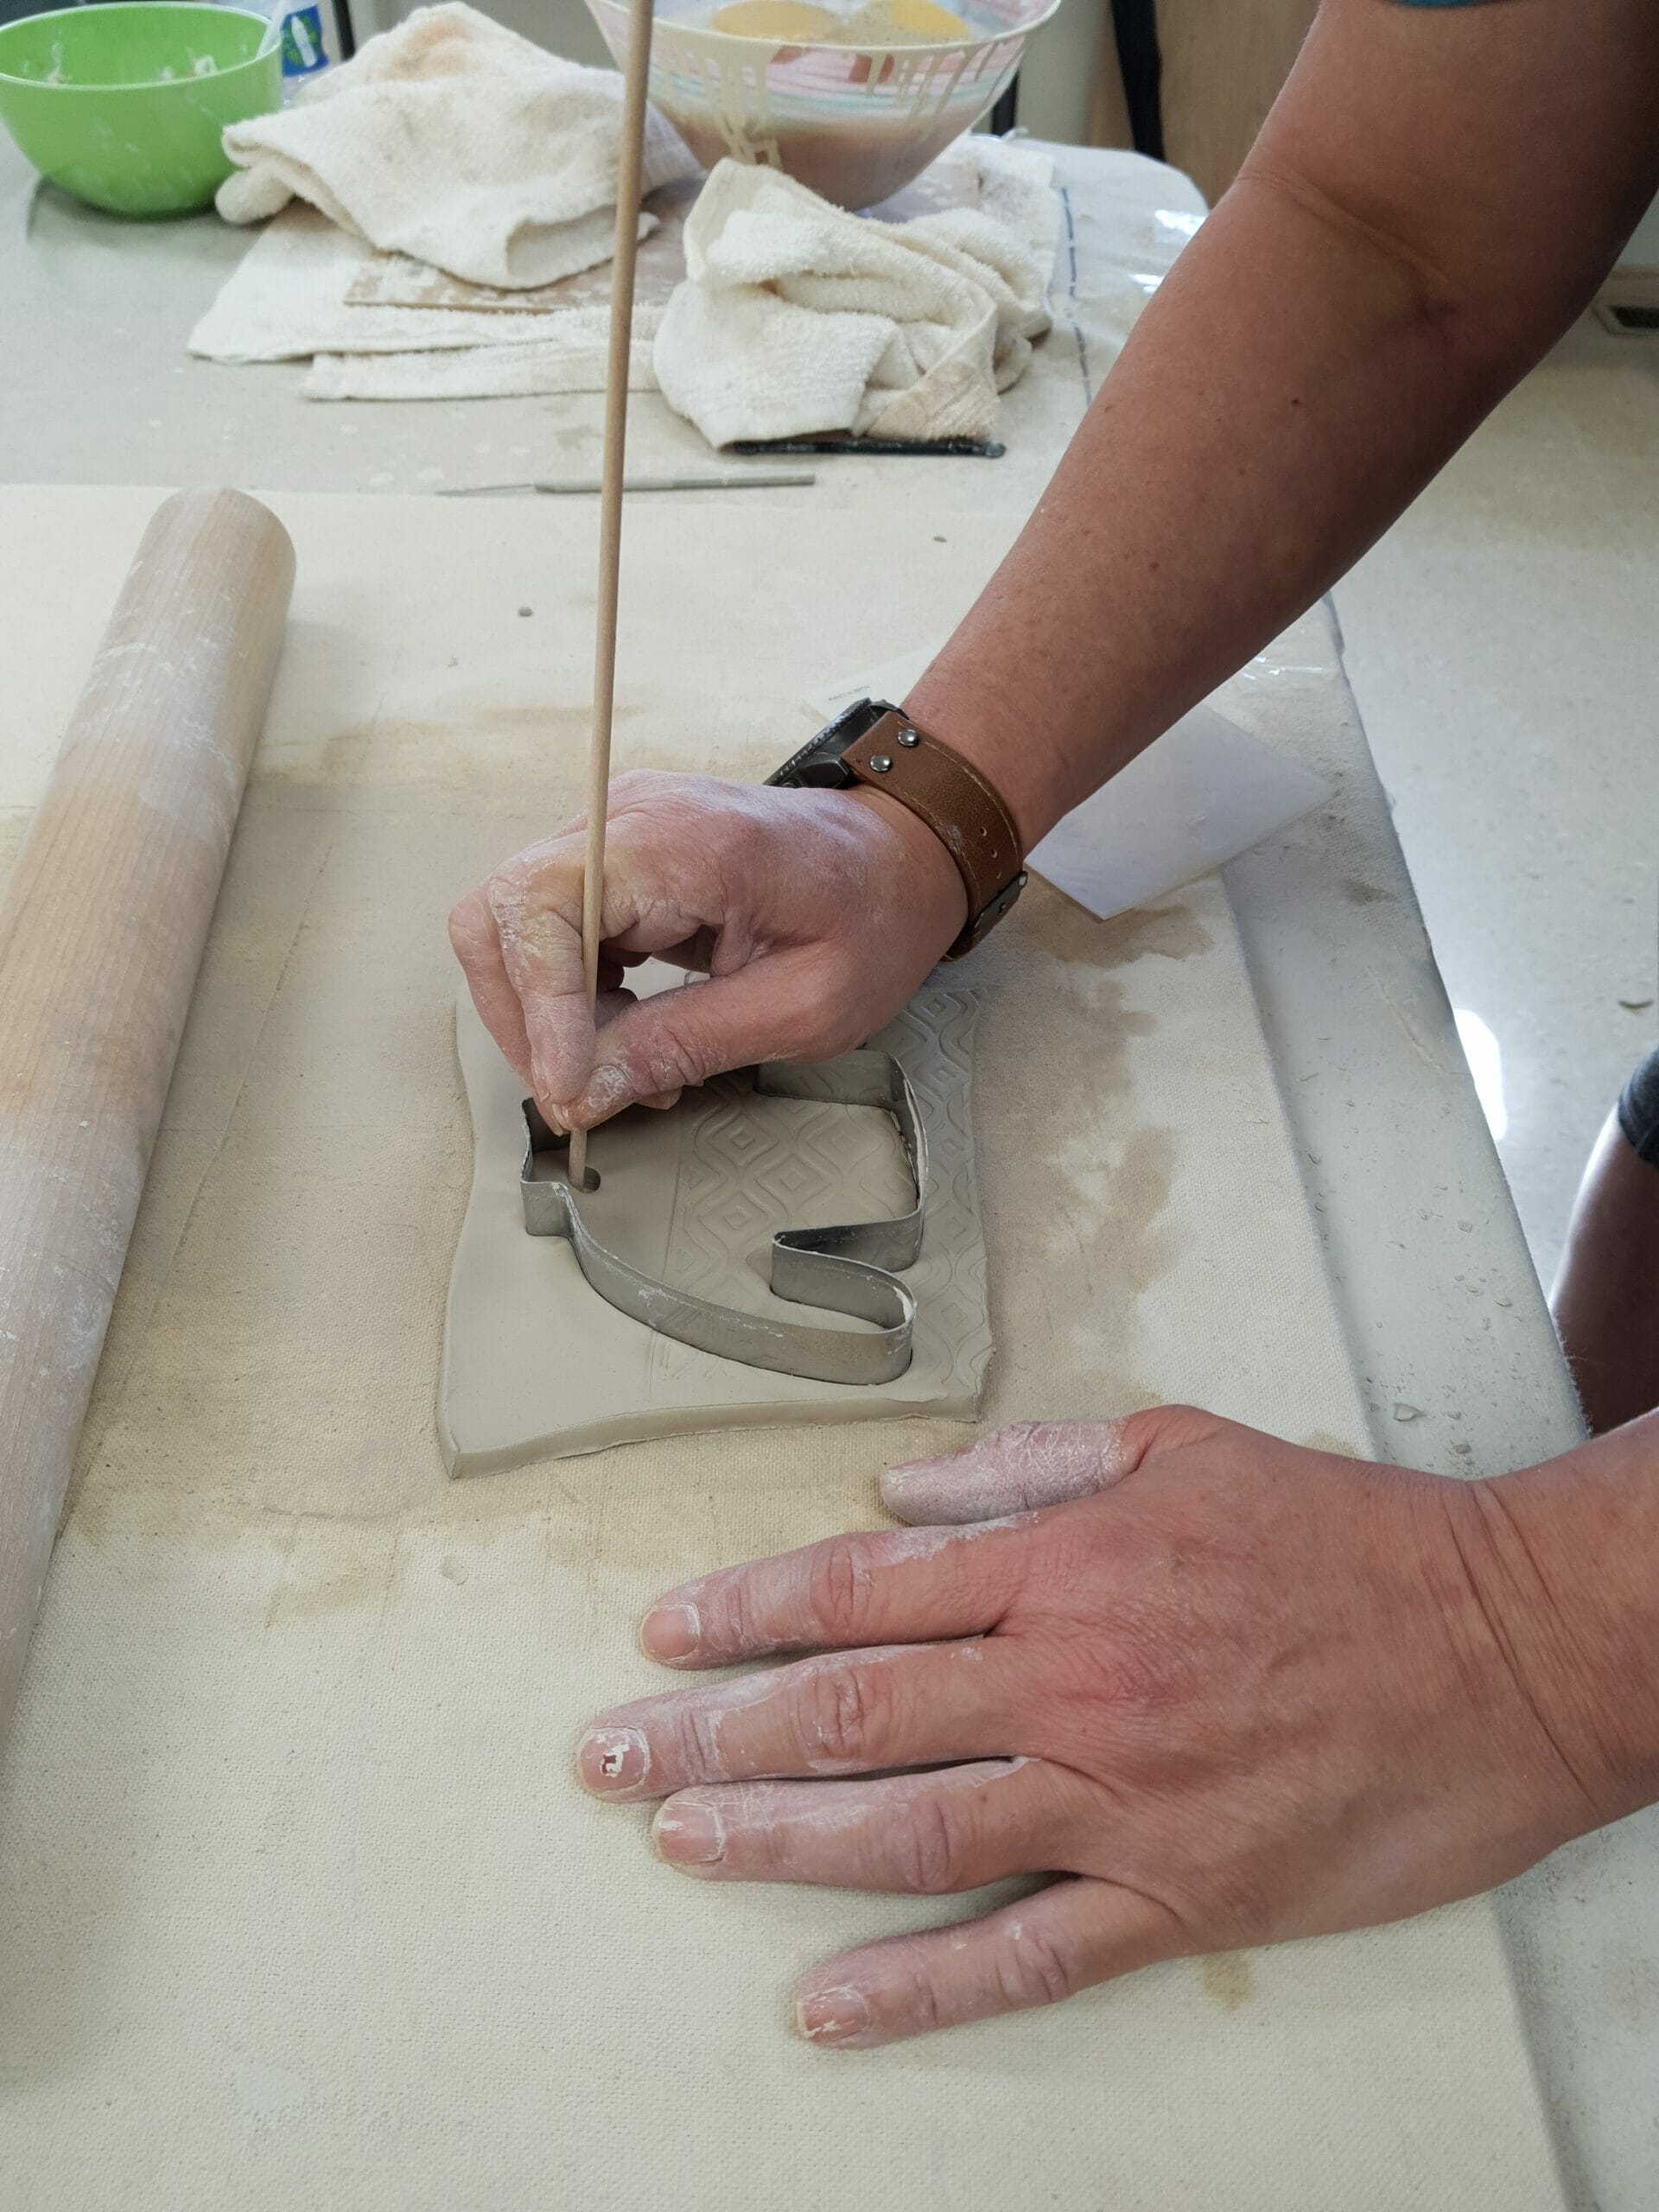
<point>852,1269</point>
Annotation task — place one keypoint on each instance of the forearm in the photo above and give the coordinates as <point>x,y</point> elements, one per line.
<point>1565,1556</point>
<point>1241,454</point>
<point>1338,326</point>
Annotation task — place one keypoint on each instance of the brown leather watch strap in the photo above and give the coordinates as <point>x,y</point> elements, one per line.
<point>957,805</point>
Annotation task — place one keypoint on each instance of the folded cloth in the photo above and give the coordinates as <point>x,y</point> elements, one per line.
<point>798,318</point>
<point>290,295</point>
<point>383,326</point>
<point>576,360</point>
<point>453,139</point>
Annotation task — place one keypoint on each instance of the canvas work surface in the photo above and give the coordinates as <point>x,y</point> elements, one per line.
<point>300,1904</point>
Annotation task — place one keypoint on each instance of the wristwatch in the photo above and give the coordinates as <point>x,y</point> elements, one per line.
<point>874,744</point>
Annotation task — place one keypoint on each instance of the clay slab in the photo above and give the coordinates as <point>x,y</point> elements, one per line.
<point>536,1363</point>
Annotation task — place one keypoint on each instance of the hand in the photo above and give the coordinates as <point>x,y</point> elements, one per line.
<point>815,914</point>
<point>1234,1691</point>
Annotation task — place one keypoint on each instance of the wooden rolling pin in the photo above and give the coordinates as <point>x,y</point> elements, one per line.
<point>101,933</point>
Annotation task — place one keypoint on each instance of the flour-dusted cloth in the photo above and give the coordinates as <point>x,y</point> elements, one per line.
<point>574,358</point>
<point>289,298</point>
<point>797,317</point>
<point>456,141</point>
<point>292,296</point>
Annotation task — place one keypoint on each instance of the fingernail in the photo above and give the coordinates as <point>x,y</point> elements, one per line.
<point>606,1091</point>
<point>907,1471</point>
<point>832,2016</point>
<point>611,1760</point>
<point>671,1632</point>
<point>541,1074</point>
<point>549,1112</point>
<point>898,1485</point>
<point>688,1834</point>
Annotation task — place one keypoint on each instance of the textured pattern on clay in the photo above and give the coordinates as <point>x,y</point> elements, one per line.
<point>750,1166</point>
<point>693,1197</point>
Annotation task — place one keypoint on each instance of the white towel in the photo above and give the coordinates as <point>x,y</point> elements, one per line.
<point>798,318</point>
<point>456,141</point>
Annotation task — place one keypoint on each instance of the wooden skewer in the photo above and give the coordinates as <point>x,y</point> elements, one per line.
<point>101,931</point>
<point>629,164</point>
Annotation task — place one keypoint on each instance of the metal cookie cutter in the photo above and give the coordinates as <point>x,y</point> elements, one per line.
<point>851,1270</point>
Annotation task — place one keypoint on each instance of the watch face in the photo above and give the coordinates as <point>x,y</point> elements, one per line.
<point>818,764</point>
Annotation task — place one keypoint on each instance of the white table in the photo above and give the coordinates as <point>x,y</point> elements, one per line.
<point>1427,1266</point>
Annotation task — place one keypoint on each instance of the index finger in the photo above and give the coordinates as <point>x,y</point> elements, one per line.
<point>536,903</point>
<point>894,1586</point>
<point>477,943</point>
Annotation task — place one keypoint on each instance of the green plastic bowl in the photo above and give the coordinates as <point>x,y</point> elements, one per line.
<point>125,104</point>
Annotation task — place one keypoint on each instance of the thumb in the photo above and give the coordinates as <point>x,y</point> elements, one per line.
<point>771,1010</point>
<point>1034,1463</point>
